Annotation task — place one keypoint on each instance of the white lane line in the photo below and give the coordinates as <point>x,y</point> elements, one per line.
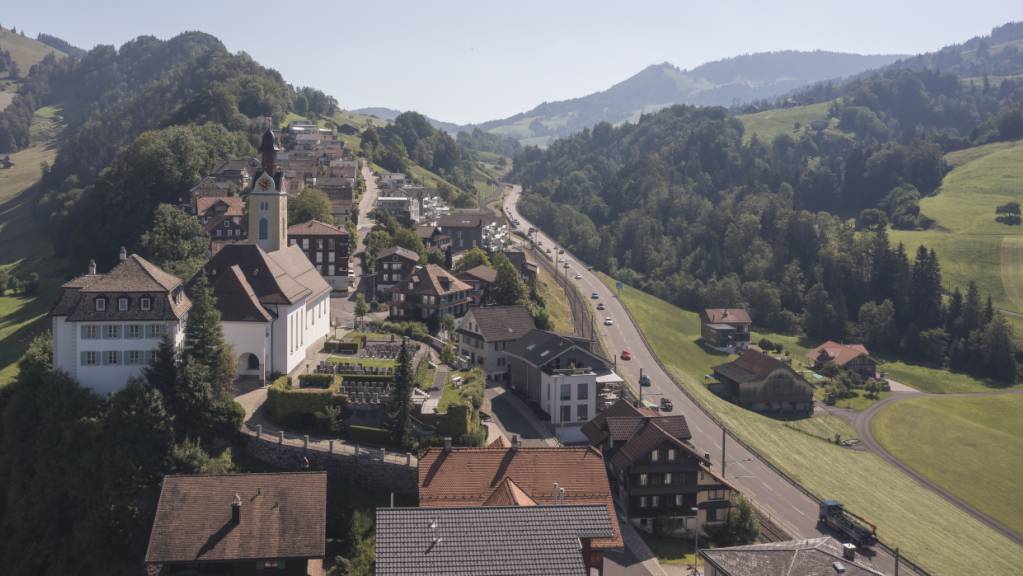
<point>793,506</point>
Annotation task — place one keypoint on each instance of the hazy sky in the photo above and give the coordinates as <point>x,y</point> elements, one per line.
<point>470,61</point>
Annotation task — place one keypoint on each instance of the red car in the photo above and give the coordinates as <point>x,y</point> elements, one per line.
<point>626,355</point>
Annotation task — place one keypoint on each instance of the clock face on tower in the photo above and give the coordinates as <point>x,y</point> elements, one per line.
<point>264,184</point>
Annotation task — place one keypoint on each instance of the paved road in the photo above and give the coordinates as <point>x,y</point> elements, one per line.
<point>777,497</point>
<point>861,422</point>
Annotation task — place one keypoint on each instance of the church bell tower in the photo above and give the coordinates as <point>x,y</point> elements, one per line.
<point>268,201</point>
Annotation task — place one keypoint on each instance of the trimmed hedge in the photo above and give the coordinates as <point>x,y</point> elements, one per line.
<point>323,381</point>
<point>370,435</point>
<point>285,404</point>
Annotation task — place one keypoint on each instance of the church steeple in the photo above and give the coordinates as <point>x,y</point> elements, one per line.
<point>268,201</point>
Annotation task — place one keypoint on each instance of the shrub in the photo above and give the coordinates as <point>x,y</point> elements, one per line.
<point>295,407</point>
<point>1010,220</point>
<point>766,345</point>
<point>316,380</point>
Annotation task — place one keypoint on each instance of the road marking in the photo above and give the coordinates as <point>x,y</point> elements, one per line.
<point>793,506</point>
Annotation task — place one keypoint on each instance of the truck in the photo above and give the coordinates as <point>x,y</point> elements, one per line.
<point>857,529</point>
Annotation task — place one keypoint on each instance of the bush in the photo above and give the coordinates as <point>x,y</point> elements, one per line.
<point>414,330</point>
<point>766,345</point>
<point>1010,220</point>
<point>322,381</point>
<point>295,407</point>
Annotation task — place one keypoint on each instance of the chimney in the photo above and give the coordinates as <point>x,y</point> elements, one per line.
<point>556,492</point>
<point>92,267</point>
<point>561,496</point>
<point>447,443</point>
<point>124,254</point>
<point>236,509</point>
<point>515,442</point>
<point>849,551</point>
<point>706,457</point>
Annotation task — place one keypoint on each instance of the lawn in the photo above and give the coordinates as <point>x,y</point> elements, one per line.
<point>356,336</point>
<point>368,362</point>
<point>926,379</point>
<point>971,245</point>
<point>671,550</point>
<point>770,123</point>
<point>556,301</point>
<point>25,247</point>
<point>928,529</point>
<point>945,437</point>
<point>424,373</point>
<point>25,51</point>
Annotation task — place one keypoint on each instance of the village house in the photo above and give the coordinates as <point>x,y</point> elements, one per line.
<point>237,171</point>
<point>326,246</point>
<point>762,383</point>
<point>394,265</point>
<point>432,237</point>
<point>401,208</point>
<point>656,473</point>
<point>392,180</point>
<point>525,540</point>
<point>480,278</point>
<point>209,187</point>
<point>274,304</point>
<point>562,375</point>
<point>467,228</point>
<point>812,557</point>
<point>428,293</point>
<point>853,357</point>
<point>240,524</point>
<point>519,476</point>
<point>221,217</point>
<point>524,264</point>
<point>485,333</point>
<point>725,329</point>
<point>106,326</point>
<point>225,229</point>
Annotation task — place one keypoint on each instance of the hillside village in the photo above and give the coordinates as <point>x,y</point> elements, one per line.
<point>336,345</point>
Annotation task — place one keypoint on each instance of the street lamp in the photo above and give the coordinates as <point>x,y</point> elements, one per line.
<point>696,538</point>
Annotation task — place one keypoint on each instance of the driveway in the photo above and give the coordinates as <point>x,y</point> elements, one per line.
<point>786,504</point>
<point>513,417</point>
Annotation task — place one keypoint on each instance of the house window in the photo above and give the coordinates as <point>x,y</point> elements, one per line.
<point>133,357</point>
<point>667,477</point>
<point>716,495</point>
<point>305,243</point>
<point>227,223</point>
<point>330,270</point>
<point>90,358</point>
<point>111,357</point>
<point>642,501</point>
<point>566,391</point>
<point>292,241</point>
<point>122,304</point>
<point>133,331</point>
<point>146,303</point>
<point>643,479</point>
<point>264,205</point>
<point>654,455</point>
<point>331,256</point>
<point>319,243</point>
<point>712,515</point>
<point>582,391</point>
<point>90,332</point>
<point>680,500</point>
<point>655,501</point>
<point>111,330</point>
<point>671,454</point>
<point>101,304</point>
<point>319,257</point>
<point>264,229</point>
<point>582,412</point>
<point>566,414</point>
<point>330,244</point>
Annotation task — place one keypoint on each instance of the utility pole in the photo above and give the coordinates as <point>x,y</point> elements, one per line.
<point>640,387</point>
<point>724,438</point>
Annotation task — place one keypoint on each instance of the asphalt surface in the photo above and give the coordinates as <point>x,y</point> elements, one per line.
<point>778,498</point>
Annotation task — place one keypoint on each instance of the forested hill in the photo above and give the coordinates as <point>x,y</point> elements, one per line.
<point>725,82</point>
<point>1000,53</point>
<point>680,206</point>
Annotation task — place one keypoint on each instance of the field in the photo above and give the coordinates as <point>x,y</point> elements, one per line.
<point>24,248</point>
<point>943,437</point>
<point>556,302</point>
<point>952,542</point>
<point>25,51</point>
<point>367,362</point>
<point>770,123</point>
<point>970,244</point>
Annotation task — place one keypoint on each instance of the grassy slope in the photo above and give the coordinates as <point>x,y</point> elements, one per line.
<point>928,529</point>
<point>24,247</point>
<point>943,438</point>
<point>770,123</point>
<point>556,301</point>
<point>26,51</point>
<point>971,245</point>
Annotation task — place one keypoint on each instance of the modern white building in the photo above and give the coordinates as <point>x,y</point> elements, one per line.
<point>106,326</point>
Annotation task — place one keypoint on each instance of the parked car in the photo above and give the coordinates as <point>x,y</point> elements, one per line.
<point>566,266</point>
<point>578,276</point>
<point>666,405</point>
<point>626,355</point>
<point>594,295</point>
<point>608,321</point>
<point>561,251</point>
<point>601,306</point>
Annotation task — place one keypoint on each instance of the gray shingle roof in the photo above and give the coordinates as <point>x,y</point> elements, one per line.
<point>814,557</point>
<point>133,278</point>
<point>283,515</point>
<point>501,323</point>
<point>487,541</point>
<point>284,276</point>
<point>398,250</point>
<point>538,347</point>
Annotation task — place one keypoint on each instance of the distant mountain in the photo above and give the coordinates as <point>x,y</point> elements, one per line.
<point>724,82</point>
<point>390,114</point>
<point>25,51</point>
<point>998,54</point>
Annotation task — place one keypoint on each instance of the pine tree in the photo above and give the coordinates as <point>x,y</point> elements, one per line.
<point>401,398</point>
<point>204,339</point>
<point>925,290</point>
<point>999,350</point>
<point>162,371</point>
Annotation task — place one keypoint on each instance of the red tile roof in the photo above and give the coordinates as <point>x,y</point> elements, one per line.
<point>234,204</point>
<point>316,228</point>
<point>469,477</point>
<point>840,354</point>
<point>727,316</point>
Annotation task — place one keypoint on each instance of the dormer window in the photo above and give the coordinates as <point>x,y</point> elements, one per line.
<point>145,303</point>
<point>122,304</point>
<point>101,304</point>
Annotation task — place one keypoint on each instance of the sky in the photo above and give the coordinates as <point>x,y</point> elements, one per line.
<point>469,61</point>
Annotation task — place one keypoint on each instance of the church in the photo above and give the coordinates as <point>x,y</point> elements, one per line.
<point>274,304</point>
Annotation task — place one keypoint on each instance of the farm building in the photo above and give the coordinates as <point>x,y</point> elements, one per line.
<point>763,383</point>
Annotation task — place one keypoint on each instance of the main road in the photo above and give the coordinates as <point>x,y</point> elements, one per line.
<point>774,495</point>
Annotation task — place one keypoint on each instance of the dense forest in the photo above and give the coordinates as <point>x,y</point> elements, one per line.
<point>795,228</point>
